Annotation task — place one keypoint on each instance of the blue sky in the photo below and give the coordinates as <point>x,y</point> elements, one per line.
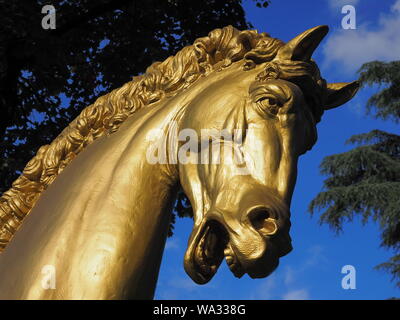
<point>313,269</point>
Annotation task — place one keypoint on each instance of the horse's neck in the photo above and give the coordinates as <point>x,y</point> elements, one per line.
<point>102,223</point>
<point>138,203</point>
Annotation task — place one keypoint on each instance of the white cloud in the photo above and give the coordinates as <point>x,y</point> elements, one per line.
<point>301,294</point>
<point>172,243</point>
<point>168,295</point>
<point>287,283</point>
<point>183,283</point>
<point>396,6</point>
<point>289,275</point>
<point>349,49</point>
<point>316,257</point>
<point>266,290</point>
<point>357,107</point>
<point>334,4</point>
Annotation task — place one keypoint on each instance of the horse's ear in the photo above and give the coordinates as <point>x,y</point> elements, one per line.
<point>340,93</point>
<point>302,47</point>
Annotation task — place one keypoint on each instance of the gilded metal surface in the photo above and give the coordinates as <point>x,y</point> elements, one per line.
<point>101,220</point>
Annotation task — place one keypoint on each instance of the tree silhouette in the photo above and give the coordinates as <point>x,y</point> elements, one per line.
<point>366,180</point>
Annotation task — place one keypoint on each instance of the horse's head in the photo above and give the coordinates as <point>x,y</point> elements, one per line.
<point>241,209</point>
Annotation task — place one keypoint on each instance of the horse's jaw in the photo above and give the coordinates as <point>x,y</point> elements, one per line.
<point>210,243</point>
<point>206,250</point>
<point>253,248</point>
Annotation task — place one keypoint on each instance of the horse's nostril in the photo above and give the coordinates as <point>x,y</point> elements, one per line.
<point>258,216</point>
<point>262,222</point>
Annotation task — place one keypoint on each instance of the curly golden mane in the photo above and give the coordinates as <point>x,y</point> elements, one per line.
<point>219,49</point>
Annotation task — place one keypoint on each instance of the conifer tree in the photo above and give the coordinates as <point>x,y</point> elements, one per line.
<point>365,181</point>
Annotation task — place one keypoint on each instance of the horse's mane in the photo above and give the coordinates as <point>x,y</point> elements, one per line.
<point>219,49</point>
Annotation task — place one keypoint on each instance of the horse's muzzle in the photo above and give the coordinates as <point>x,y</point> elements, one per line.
<point>256,247</point>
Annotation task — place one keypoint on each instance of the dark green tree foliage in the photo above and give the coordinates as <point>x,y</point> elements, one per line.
<point>97,46</point>
<point>182,208</point>
<point>365,181</point>
<point>74,61</point>
<point>386,102</point>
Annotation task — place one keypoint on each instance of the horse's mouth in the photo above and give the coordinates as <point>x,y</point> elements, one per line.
<point>208,252</point>
<point>211,243</point>
<point>233,262</point>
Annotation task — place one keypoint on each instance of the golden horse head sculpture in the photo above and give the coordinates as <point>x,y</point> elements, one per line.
<point>97,210</point>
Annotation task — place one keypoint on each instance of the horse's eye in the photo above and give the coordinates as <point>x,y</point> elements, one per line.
<point>272,101</point>
<point>270,104</point>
